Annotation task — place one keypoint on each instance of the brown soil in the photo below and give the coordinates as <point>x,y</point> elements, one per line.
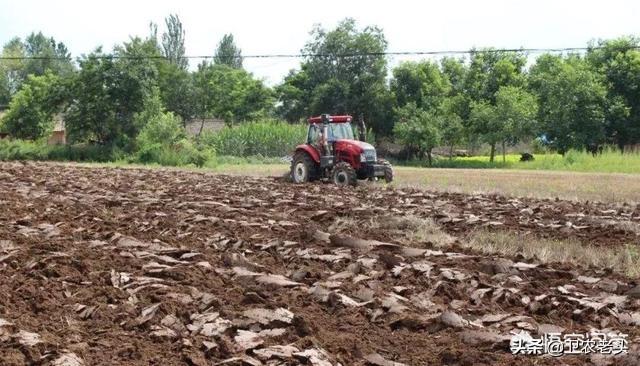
<point>124,266</point>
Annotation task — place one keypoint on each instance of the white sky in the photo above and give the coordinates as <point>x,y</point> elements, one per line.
<point>268,27</point>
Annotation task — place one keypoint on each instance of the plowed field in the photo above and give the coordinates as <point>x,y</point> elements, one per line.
<point>104,266</point>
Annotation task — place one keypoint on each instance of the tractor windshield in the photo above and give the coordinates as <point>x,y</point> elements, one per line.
<point>339,131</point>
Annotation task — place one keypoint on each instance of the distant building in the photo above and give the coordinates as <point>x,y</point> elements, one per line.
<point>209,125</point>
<point>59,134</point>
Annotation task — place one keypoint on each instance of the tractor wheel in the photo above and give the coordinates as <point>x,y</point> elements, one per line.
<point>388,170</point>
<point>344,175</point>
<point>303,169</point>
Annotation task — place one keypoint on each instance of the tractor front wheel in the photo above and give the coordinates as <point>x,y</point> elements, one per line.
<point>303,169</point>
<point>388,170</point>
<point>344,175</point>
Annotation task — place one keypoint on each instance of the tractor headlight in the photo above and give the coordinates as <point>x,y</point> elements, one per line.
<point>368,155</point>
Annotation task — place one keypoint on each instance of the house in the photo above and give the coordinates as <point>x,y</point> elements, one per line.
<point>208,125</point>
<point>59,134</point>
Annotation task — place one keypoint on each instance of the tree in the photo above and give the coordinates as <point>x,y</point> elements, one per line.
<point>173,42</point>
<point>344,73</point>
<point>455,71</point>
<point>30,114</point>
<point>51,55</point>
<point>491,69</point>
<point>176,90</point>
<point>12,68</point>
<point>488,71</point>
<point>108,92</point>
<point>516,111</point>
<point>46,55</point>
<point>231,94</point>
<point>421,83</point>
<point>294,95</point>
<point>572,99</point>
<point>5,93</point>
<point>228,53</point>
<point>483,118</point>
<point>452,126</point>
<point>618,61</point>
<point>512,118</point>
<point>160,127</point>
<point>418,130</point>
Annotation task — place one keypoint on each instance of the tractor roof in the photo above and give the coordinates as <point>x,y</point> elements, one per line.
<point>332,119</point>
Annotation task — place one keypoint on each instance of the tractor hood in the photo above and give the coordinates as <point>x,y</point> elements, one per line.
<point>356,146</point>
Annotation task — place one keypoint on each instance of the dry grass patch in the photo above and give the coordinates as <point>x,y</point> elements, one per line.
<point>605,187</point>
<point>407,230</point>
<point>625,259</point>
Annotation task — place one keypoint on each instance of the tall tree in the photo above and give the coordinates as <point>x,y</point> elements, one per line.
<point>30,114</point>
<point>455,70</point>
<point>452,124</point>
<point>176,90</point>
<point>228,93</point>
<point>46,55</point>
<point>506,122</point>
<point>619,61</point>
<point>294,95</point>
<point>491,69</point>
<point>109,92</point>
<point>12,68</point>
<point>51,55</point>
<point>173,42</point>
<point>488,71</point>
<point>418,130</point>
<point>421,83</point>
<point>344,72</point>
<point>572,99</point>
<point>228,53</point>
<point>516,111</point>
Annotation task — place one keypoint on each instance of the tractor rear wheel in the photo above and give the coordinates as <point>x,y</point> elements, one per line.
<point>303,168</point>
<point>388,170</point>
<point>343,174</point>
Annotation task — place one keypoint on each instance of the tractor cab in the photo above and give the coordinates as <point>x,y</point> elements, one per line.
<point>331,151</point>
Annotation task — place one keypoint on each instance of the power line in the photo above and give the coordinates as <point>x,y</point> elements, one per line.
<point>344,55</point>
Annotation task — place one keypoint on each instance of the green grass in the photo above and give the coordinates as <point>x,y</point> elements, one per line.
<point>610,161</point>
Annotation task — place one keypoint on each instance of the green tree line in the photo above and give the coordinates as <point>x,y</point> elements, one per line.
<point>566,101</point>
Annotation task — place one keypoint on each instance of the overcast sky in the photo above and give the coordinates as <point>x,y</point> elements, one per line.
<point>268,27</point>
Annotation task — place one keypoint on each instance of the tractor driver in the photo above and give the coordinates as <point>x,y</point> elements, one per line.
<point>319,140</point>
<point>322,139</point>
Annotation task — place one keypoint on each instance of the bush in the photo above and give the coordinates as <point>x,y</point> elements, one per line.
<point>163,141</point>
<point>40,151</point>
<point>263,138</point>
<point>30,114</point>
<point>181,153</point>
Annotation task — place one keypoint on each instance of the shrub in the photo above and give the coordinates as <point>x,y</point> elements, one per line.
<point>40,151</point>
<point>163,141</point>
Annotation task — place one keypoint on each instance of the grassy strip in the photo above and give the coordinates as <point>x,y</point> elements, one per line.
<point>177,156</point>
<point>610,161</point>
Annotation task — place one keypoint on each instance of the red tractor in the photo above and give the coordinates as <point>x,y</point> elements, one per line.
<point>332,152</point>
